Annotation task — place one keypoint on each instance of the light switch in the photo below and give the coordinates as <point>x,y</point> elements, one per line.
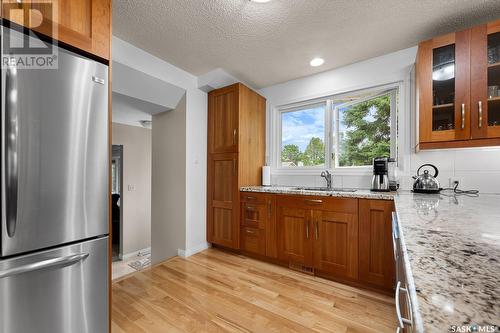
<point>131,187</point>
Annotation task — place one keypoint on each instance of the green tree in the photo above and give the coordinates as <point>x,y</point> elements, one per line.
<point>368,132</point>
<point>314,153</point>
<point>291,153</point>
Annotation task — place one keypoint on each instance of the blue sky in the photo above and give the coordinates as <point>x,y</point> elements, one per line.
<point>300,126</point>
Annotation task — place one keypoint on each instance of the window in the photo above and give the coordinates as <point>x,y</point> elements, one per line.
<point>303,134</point>
<point>341,131</point>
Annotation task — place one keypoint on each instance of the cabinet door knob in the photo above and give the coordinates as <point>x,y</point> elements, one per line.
<point>480,118</point>
<point>316,231</point>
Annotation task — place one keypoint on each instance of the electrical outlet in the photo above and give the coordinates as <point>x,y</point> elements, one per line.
<point>131,187</point>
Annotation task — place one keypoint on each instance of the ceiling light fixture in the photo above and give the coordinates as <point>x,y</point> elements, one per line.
<point>260,1</point>
<point>317,62</point>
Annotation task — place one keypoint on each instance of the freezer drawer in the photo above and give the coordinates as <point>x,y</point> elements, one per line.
<point>54,153</point>
<point>57,291</point>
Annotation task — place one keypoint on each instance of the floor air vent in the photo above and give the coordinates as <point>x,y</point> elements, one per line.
<point>301,268</point>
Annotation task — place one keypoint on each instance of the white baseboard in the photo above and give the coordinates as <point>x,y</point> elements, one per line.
<point>189,252</point>
<point>135,253</point>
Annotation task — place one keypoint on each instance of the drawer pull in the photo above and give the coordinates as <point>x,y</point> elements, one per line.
<point>250,198</point>
<point>251,232</point>
<point>402,321</point>
<point>313,201</point>
<point>250,208</point>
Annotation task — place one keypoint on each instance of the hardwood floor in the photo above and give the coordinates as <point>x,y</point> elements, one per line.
<point>216,291</point>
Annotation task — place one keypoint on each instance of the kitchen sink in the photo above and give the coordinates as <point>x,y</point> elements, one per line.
<point>325,189</point>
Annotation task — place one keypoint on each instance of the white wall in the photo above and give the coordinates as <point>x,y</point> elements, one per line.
<point>169,180</point>
<point>475,168</point>
<point>195,142</point>
<point>136,203</point>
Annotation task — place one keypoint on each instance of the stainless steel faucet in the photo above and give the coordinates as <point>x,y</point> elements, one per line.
<point>328,176</point>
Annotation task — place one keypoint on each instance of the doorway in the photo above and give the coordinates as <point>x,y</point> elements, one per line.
<point>117,201</point>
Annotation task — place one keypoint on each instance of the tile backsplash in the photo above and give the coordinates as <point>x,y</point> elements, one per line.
<point>474,168</point>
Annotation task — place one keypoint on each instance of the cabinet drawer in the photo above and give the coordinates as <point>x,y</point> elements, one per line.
<point>253,240</point>
<point>340,205</point>
<point>254,198</point>
<point>254,215</point>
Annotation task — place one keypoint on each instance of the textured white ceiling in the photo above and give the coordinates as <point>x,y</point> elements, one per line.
<point>265,44</point>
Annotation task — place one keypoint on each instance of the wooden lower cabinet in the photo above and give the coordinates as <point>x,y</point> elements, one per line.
<point>336,242</point>
<point>258,224</point>
<point>319,233</point>
<point>253,240</point>
<point>294,237</point>
<point>376,255</point>
<point>347,239</point>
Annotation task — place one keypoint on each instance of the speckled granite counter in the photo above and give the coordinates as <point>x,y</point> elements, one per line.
<point>360,194</point>
<point>451,248</point>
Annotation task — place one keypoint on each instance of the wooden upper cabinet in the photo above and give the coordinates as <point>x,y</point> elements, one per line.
<point>223,111</point>
<point>458,76</point>
<point>485,81</point>
<point>443,74</point>
<point>376,255</point>
<point>83,24</point>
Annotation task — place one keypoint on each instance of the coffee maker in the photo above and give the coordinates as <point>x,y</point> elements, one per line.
<point>380,179</point>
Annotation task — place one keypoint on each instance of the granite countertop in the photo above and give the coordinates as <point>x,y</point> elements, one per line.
<point>451,249</point>
<point>298,190</point>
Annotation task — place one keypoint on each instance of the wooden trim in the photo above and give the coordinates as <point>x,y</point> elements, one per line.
<point>462,84</point>
<point>459,144</point>
<point>479,81</point>
<point>443,40</point>
<point>493,27</point>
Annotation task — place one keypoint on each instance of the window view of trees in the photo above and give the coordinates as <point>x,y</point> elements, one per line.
<point>314,154</point>
<point>361,130</point>
<point>303,131</point>
<point>365,131</point>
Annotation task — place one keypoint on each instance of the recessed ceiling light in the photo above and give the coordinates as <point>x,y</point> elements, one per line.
<point>260,1</point>
<point>317,62</point>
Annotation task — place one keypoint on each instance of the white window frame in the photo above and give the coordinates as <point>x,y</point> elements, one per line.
<point>330,129</point>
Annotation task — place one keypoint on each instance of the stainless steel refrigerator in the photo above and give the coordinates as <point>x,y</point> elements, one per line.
<point>54,200</point>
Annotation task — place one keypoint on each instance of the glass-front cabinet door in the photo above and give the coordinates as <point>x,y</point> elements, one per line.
<point>443,72</point>
<point>485,81</point>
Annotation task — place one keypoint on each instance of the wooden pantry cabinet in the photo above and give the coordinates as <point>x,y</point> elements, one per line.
<point>83,24</point>
<point>458,81</point>
<point>236,154</point>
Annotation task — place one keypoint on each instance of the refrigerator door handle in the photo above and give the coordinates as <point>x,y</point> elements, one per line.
<point>44,264</point>
<point>10,158</point>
